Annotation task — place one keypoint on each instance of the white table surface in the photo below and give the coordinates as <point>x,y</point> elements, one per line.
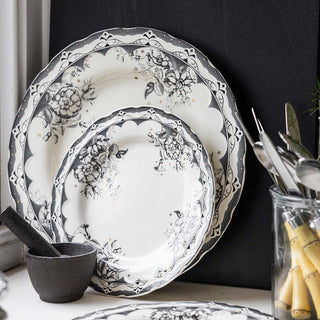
<point>22,302</point>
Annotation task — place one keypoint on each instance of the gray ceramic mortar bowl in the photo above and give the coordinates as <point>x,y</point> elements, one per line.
<point>65,278</point>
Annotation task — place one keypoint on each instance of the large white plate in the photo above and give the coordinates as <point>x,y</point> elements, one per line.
<point>138,185</point>
<point>3,283</point>
<point>177,310</point>
<point>106,71</point>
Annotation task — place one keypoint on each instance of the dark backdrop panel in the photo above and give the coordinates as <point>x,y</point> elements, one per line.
<point>267,51</point>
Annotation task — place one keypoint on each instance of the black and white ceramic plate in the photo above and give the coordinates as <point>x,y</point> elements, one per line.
<point>139,186</point>
<point>177,310</point>
<point>106,71</point>
<point>3,283</point>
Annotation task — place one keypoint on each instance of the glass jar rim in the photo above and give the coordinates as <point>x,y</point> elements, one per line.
<point>288,200</point>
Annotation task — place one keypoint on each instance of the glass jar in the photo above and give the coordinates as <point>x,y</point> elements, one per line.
<point>296,269</point>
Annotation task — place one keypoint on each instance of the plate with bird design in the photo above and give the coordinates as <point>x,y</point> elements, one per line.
<point>104,72</point>
<point>139,186</point>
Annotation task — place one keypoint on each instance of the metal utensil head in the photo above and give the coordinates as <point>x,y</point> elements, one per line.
<point>258,123</point>
<point>292,124</point>
<point>278,164</point>
<point>288,156</point>
<point>262,156</point>
<point>296,147</point>
<point>308,173</point>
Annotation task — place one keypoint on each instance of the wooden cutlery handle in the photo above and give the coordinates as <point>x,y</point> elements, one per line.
<point>300,300</point>
<point>310,244</point>
<point>285,293</point>
<point>310,273</point>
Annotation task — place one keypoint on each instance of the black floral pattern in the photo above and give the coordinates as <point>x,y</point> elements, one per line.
<point>173,149</point>
<point>177,311</point>
<point>181,314</point>
<point>106,268</point>
<point>64,102</point>
<point>158,58</point>
<point>88,172</point>
<point>172,82</point>
<point>97,162</point>
<point>179,81</point>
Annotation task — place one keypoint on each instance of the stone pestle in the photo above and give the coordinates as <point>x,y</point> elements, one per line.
<point>27,234</point>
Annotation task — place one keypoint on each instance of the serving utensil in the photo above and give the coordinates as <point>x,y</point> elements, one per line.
<point>308,172</point>
<point>291,160</point>
<point>262,156</point>
<point>300,150</point>
<point>287,155</point>
<point>283,172</point>
<point>292,124</point>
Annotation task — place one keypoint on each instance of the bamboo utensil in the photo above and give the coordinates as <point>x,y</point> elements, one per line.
<point>293,294</point>
<point>310,273</point>
<point>310,244</point>
<point>285,293</point>
<point>300,300</point>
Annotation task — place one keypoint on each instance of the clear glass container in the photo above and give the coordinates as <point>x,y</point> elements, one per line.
<point>296,269</point>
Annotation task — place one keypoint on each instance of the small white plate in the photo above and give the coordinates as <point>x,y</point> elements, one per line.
<point>139,186</point>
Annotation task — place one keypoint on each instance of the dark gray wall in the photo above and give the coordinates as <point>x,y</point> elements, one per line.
<point>267,51</point>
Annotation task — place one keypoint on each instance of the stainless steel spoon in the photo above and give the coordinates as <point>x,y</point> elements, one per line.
<point>308,173</point>
<point>288,155</point>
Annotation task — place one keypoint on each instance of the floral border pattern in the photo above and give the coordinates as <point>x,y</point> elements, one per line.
<point>176,83</point>
<point>65,100</point>
<point>182,310</point>
<point>98,162</point>
<point>172,149</point>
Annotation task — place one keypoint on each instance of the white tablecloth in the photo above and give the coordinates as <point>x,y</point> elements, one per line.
<point>21,302</point>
